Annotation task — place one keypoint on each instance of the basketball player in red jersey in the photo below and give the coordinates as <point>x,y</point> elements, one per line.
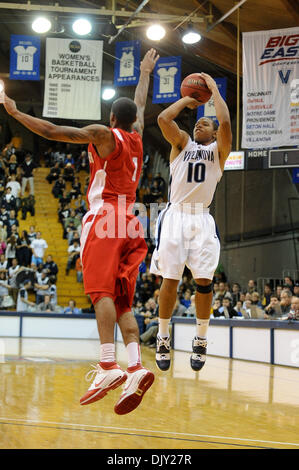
<point>112,243</point>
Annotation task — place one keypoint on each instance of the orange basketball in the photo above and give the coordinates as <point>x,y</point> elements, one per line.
<point>195,86</point>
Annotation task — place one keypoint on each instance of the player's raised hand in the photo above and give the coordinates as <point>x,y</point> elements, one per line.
<point>9,105</point>
<point>149,61</point>
<point>191,103</point>
<point>211,84</point>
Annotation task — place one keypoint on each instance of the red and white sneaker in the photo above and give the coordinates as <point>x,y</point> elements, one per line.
<point>105,380</point>
<point>138,382</point>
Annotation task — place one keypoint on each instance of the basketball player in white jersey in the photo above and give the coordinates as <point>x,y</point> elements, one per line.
<point>186,233</point>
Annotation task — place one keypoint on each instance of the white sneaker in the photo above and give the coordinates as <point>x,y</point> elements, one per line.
<point>105,380</point>
<point>137,384</point>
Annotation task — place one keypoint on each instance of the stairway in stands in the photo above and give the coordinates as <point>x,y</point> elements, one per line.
<point>46,221</point>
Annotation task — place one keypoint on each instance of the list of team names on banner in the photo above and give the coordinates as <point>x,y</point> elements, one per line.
<point>261,115</point>
<point>73,79</point>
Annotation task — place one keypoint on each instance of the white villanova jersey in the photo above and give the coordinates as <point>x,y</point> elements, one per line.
<point>194,174</point>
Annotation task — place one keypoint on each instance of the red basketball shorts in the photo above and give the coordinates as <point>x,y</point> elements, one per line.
<point>111,255</point>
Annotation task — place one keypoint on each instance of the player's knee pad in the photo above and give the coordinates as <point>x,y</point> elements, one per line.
<point>204,289</point>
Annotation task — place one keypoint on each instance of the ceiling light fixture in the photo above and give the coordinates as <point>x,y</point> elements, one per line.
<point>191,36</point>
<point>155,32</point>
<point>108,93</point>
<point>41,25</point>
<point>82,27</point>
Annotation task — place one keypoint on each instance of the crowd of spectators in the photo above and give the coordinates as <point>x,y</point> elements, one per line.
<point>229,301</point>
<point>65,164</point>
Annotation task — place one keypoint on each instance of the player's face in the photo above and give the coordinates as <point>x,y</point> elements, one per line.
<point>204,130</point>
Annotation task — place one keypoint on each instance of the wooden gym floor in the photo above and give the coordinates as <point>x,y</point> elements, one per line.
<point>230,404</point>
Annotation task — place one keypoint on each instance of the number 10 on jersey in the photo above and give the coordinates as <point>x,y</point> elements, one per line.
<point>196,172</point>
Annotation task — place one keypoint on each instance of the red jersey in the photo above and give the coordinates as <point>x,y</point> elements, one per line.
<point>122,167</point>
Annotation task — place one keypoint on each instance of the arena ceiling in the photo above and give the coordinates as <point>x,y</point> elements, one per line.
<point>216,53</point>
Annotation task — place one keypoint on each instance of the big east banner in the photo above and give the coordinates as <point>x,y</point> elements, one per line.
<point>73,79</point>
<point>271,88</point>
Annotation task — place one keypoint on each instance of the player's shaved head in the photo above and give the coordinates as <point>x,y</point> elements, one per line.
<point>125,111</point>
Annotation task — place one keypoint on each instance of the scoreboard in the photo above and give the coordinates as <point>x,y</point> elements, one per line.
<point>263,159</point>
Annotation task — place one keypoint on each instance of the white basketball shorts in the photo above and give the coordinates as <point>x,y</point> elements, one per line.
<point>184,239</point>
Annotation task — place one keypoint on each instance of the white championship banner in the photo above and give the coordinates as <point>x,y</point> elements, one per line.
<point>73,76</point>
<point>271,88</point>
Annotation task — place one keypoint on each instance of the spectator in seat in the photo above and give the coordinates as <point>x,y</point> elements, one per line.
<point>288,283</point>
<point>83,163</point>
<point>58,188</point>
<point>80,206</point>
<point>236,291</point>
<point>11,250</point>
<point>296,289</point>
<point>50,267</point>
<point>216,306</point>
<point>3,232</point>
<point>186,300</point>
<point>65,198</point>
<point>24,251</point>
<point>12,165</point>
<point>15,187</point>
<point>267,295</point>
<point>73,220</point>
<point>45,305</point>
<point>42,287</point>
<point>78,267</point>
<point>273,310</point>
<point>49,157</point>
<point>74,253</point>
<point>54,174</point>
<point>69,159</point>
<point>161,183</point>
<point>28,205</point>
<point>4,216</point>
<point>285,301</point>
<point>3,264</point>
<point>12,221</point>
<point>71,308</point>
<point>238,308</point>
<point>227,309</point>
<point>28,169</point>
<point>5,299</point>
<point>53,291</point>
<point>31,234</point>
<point>9,201</point>
<point>278,291</point>
<point>39,246</point>
<point>255,299</point>
<point>294,313</point>
<point>76,188</point>
<point>12,273</point>
<point>191,310</point>
<point>68,173</point>
<point>251,286</point>
<point>23,304</point>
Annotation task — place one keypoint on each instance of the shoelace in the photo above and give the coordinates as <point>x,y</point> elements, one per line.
<point>197,357</point>
<point>164,342</point>
<point>201,342</point>
<point>95,370</point>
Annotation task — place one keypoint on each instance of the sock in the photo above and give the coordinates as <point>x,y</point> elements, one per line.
<point>107,352</point>
<point>134,357</point>
<point>202,327</point>
<point>163,327</point>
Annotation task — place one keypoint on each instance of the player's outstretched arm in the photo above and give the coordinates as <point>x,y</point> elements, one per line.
<point>95,133</point>
<point>224,133</point>
<point>146,67</point>
<point>166,121</point>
